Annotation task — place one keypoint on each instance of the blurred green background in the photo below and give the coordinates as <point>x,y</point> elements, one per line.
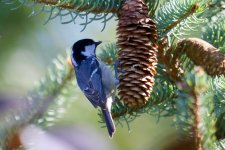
<point>27,46</point>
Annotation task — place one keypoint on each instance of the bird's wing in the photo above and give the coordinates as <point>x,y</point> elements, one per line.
<point>109,81</point>
<point>89,79</point>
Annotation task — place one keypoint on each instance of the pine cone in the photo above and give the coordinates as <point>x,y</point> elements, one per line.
<point>137,42</point>
<point>203,54</point>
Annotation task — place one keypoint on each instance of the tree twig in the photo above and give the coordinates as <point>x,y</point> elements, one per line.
<point>74,6</point>
<point>195,107</point>
<point>36,104</point>
<point>191,11</point>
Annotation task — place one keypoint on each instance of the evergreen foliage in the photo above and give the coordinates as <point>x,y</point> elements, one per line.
<point>181,90</point>
<point>45,103</point>
<point>214,33</point>
<point>198,119</point>
<point>176,18</point>
<point>70,10</point>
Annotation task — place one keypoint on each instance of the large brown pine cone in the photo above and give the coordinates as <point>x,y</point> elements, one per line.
<point>137,42</point>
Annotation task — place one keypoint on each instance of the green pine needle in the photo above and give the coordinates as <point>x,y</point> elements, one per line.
<point>214,33</point>
<point>49,93</point>
<point>69,11</point>
<point>177,18</point>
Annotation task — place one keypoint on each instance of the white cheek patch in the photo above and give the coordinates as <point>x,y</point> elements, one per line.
<point>89,50</point>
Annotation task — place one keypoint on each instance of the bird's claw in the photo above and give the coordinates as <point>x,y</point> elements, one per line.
<point>117,71</point>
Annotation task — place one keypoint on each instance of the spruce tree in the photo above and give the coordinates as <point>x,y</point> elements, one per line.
<point>168,68</point>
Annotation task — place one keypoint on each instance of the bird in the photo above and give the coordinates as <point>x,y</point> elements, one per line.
<point>94,78</point>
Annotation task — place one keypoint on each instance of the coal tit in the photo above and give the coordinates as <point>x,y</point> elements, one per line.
<point>94,78</point>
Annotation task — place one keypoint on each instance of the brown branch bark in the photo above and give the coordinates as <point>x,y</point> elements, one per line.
<point>194,91</point>
<point>197,117</point>
<point>170,60</point>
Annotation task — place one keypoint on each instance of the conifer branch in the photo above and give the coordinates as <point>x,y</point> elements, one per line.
<point>170,60</point>
<point>200,109</point>
<point>176,22</point>
<point>217,4</point>
<point>191,11</point>
<point>214,33</point>
<point>195,110</point>
<point>162,44</point>
<point>38,100</point>
<point>49,99</point>
<point>172,65</point>
<point>124,110</point>
<point>218,90</point>
<point>96,7</point>
<point>197,122</point>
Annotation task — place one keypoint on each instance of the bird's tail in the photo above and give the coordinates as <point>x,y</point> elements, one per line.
<point>109,121</point>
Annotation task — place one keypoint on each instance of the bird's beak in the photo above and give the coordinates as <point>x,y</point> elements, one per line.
<point>97,43</point>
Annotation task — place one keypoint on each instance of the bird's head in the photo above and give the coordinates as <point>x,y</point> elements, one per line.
<point>83,49</point>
